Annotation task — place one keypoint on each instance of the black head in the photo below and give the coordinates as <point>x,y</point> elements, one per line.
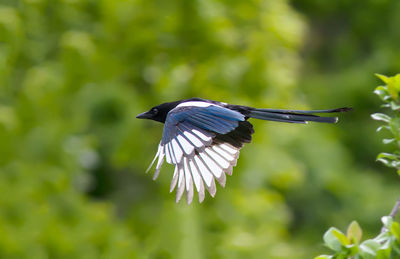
<point>159,112</point>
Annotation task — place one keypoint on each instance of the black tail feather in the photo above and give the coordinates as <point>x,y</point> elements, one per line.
<point>295,116</point>
<point>343,109</point>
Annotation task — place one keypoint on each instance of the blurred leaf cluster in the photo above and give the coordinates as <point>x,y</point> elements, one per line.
<point>387,244</point>
<point>389,94</point>
<point>74,74</point>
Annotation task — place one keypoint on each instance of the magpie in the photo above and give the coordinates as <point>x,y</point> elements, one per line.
<point>202,139</point>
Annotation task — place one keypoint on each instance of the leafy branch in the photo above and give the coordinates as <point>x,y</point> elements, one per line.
<point>387,244</point>
<point>389,94</point>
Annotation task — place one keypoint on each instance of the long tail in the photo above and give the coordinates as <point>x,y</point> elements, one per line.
<point>295,116</point>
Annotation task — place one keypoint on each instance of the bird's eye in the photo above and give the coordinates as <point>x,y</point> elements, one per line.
<point>155,110</point>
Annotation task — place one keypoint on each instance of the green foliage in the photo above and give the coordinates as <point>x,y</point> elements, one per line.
<point>74,74</point>
<point>389,94</point>
<point>387,244</point>
<point>348,41</point>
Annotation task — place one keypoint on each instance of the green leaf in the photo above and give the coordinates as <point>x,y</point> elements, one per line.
<point>369,248</point>
<point>388,140</point>
<point>394,86</point>
<point>395,164</point>
<point>341,237</point>
<point>396,248</point>
<point>385,244</point>
<point>354,232</point>
<point>352,249</point>
<point>384,78</point>
<point>382,92</point>
<point>335,239</point>
<point>384,161</point>
<point>382,237</point>
<point>395,229</point>
<point>394,106</point>
<point>382,127</point>
<point>387,155</point>
<point>395,80</point>
<point>381,117</point>
<point>384,253</point>
<point>394,127</point>
<point>331,241</point>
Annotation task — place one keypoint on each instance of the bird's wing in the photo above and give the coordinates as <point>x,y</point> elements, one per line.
<point>192,141</point>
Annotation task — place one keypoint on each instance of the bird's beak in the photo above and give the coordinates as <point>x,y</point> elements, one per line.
<point>144,115</point>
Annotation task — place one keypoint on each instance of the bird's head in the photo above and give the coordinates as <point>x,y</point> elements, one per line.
<point>159,112</point>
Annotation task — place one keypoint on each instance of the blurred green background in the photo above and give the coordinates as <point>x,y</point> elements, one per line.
<point>74,74</point>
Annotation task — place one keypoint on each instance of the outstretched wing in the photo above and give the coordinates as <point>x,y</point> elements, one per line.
<point>201,140</point>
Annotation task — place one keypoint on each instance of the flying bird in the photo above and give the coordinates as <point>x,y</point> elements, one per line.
<point>202,139</point>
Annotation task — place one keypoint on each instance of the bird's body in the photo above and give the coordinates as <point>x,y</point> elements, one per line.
<point>202,138</point>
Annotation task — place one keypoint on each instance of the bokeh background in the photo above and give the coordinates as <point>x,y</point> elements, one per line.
<point>75,73</point>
